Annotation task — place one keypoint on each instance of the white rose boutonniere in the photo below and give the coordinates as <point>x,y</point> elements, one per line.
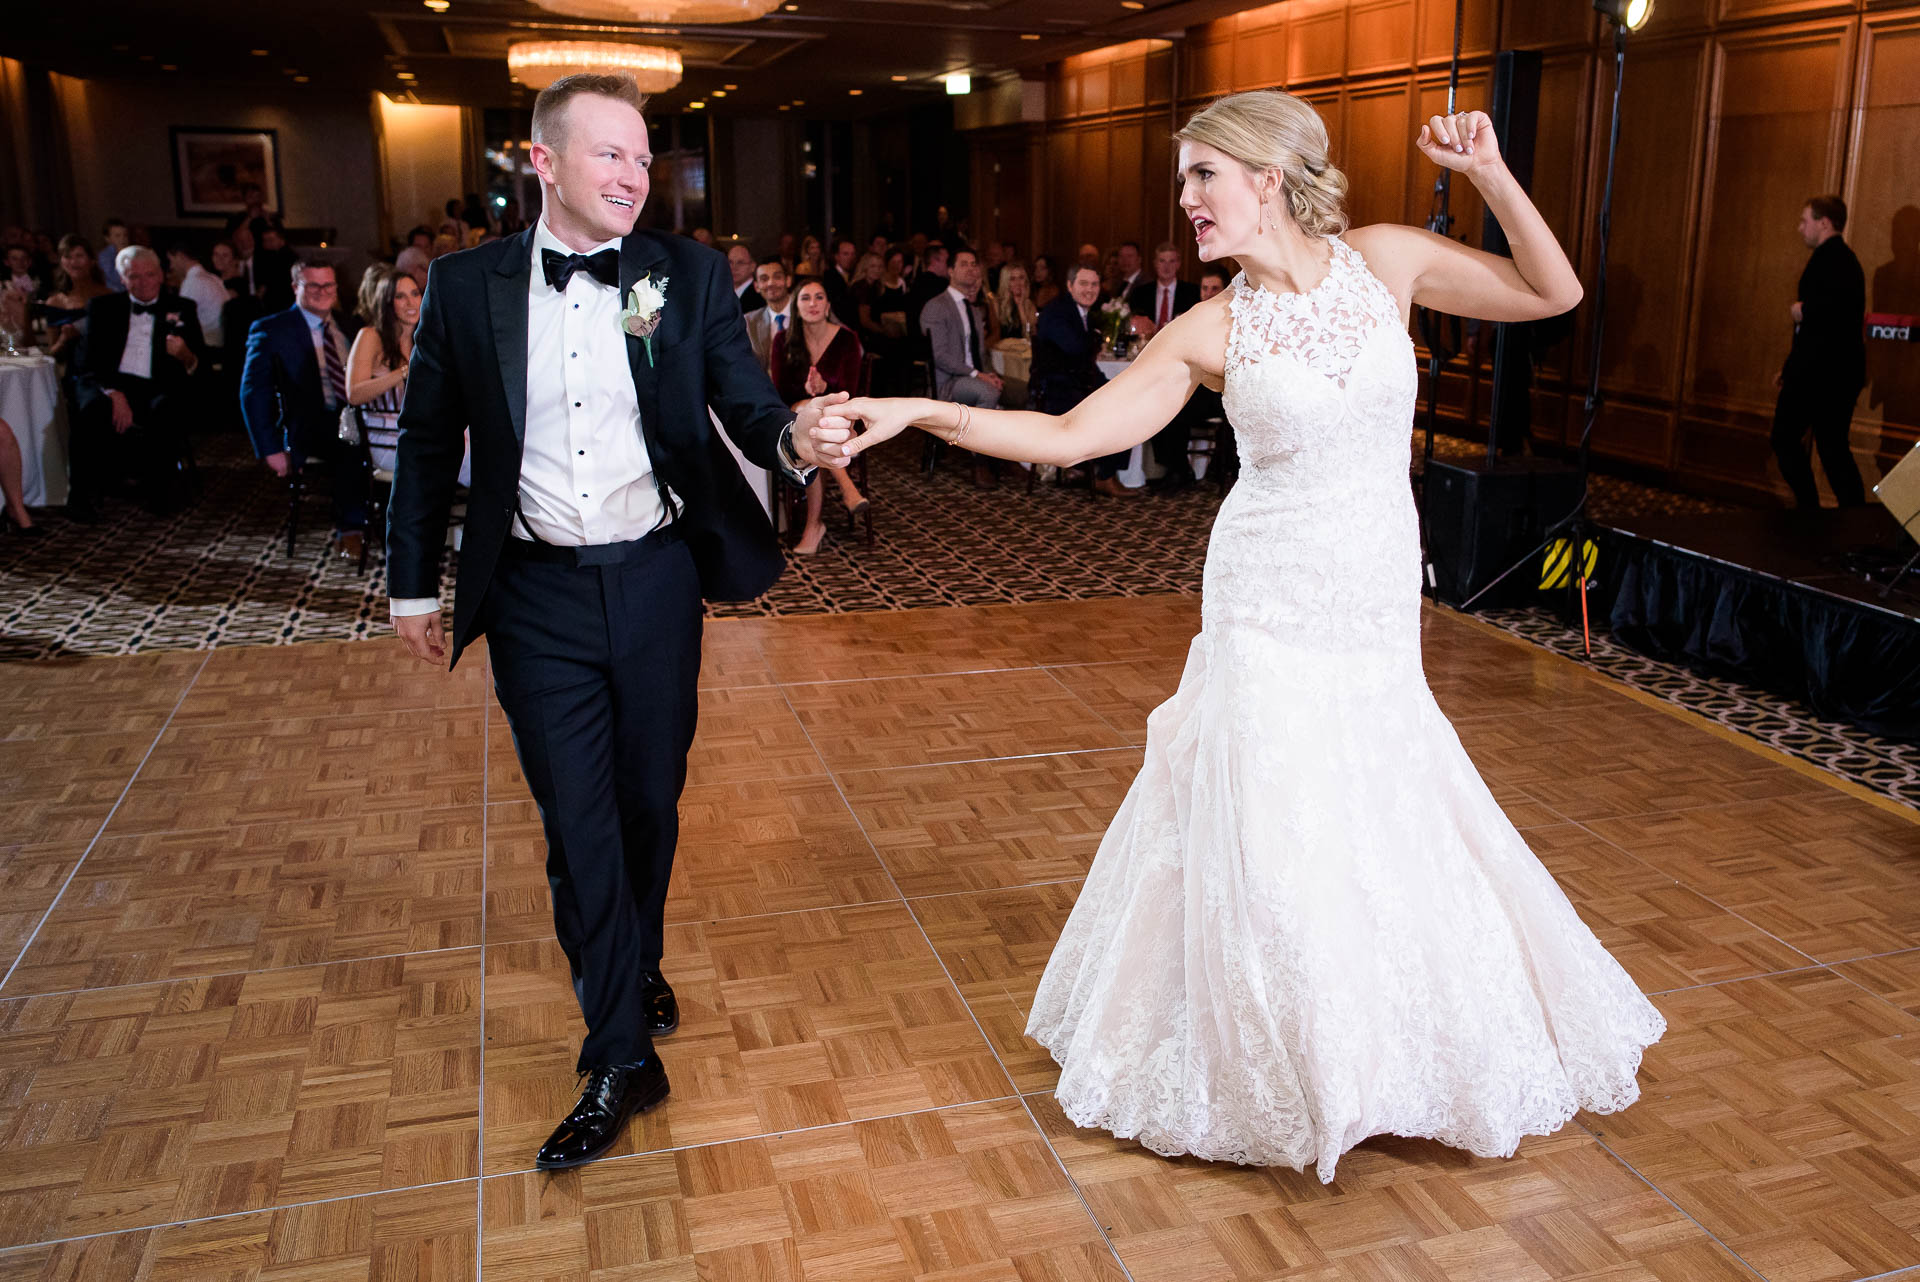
<point>641,316</point>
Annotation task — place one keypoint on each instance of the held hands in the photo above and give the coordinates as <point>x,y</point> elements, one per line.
<point>837,436</point>
<point>805,443</point>
<point>1462,142</point>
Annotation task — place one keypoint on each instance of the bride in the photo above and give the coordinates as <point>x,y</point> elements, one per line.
<point>1309,922</point>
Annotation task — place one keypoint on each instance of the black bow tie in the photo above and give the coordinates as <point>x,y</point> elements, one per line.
<point>603,267</point>
<point>146,309</point>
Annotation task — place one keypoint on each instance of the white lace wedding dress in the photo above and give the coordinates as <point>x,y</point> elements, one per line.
<point>1309,922</point>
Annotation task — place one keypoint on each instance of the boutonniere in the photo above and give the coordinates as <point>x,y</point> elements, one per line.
<point>641,316</point>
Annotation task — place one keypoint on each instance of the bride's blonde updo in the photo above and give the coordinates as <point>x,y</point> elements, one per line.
<point>1270,129</point>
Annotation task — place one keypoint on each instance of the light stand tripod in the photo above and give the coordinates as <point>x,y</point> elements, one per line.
<point>1574,528</point>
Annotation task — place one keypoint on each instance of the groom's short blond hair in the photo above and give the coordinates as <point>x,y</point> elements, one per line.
<point>550,108</point>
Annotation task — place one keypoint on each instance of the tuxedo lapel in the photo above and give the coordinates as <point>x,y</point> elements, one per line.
<point>639,256</point>
<point>507,310</point>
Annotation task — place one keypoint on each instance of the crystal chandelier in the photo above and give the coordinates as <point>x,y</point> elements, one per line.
<point>675,11</point>
<point>538,63</point>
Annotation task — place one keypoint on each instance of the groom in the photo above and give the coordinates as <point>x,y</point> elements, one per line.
<point>603,508</point>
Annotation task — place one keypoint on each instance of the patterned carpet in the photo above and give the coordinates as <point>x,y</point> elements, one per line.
<point>219,575</point>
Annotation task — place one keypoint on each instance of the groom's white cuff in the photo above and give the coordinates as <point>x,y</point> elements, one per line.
<point>402,606</point>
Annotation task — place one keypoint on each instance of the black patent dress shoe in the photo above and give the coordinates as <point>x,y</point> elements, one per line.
<point>663,1012</point>
<point>609,1097</point>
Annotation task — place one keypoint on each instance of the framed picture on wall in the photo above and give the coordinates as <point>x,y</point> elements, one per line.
<point>213,167</point>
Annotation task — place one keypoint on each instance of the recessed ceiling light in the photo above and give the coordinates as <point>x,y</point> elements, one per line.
<point>1028,35</point>
<point>301,80</point>
<point>696,104</point>
<point>855,93</point>
<point>799,102</point>
<point>719,93</point>
<point>729,88</point>
<point>259,53</point>
<point>897,79</point>
<point>783,107</point>
<point>168,66</point>
<point>438,6</point>
<point>1131,4</point>
<point>791,8</point>
<point>403,75</point>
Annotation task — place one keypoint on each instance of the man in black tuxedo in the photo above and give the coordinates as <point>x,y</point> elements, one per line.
<point>1160,300</point>
<point>838,280</point>
<point>740,266</point>
<point>603,508</point>
<point>293,385</point>
<point>136,366</point>
<point>1066,370</point>
<point>1827,364</point>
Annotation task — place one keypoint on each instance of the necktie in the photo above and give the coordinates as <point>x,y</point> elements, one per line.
<point>780,323</point>
<point>336,367</point>
<point>603,267</point>
<point>973,335</point>
<point>1166,305</point>
<point>147,309</point>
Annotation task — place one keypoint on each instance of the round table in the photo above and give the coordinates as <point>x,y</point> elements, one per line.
<point>31,403</point>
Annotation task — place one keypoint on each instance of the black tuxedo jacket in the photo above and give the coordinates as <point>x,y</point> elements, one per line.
<point>469,371</point>
<point>105,341</point>
<point>281,399</point>
<point>1829,343</point>
<point>1144,298</point>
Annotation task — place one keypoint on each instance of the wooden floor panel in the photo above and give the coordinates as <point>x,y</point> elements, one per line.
<point>133,1107</point>
<point>786,1021</point>
<point>284,1001</point>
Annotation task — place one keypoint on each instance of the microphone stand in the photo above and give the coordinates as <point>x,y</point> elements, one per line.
<point>1574,527</point>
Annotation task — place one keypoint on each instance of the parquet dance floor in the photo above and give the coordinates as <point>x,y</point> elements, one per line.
<point>281,999</point>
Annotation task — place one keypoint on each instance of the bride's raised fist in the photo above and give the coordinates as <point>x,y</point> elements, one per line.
<point>1461,142</point>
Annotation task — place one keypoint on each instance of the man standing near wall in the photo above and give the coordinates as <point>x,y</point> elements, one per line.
<point>1827,364</point>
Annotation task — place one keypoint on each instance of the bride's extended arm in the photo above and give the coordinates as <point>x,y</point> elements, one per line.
<point>1117,416</point>
<point>1444,275</point>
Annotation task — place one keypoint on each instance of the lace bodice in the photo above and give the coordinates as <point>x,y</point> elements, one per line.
<point>1320,541</point>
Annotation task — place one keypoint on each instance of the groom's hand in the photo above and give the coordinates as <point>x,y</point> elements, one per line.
<point>806,441</point>
<point>424,636</point>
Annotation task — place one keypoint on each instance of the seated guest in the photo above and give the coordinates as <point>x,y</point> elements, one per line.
<point>1046,280</point>
<point>75,284</point>
<point>20,275</point>
<point>273,264</point>
<point>880,299</point>
<point>13,485</point>
<point>814,358</point>
<point>774,316</point>
<point>787,253</point>
<point>1154,303</point>
<point>115,233</point>
<point>740,267</point>
<point>1129,271</point>
<point>291,390</point>
<point>704,235</point>
<point>243,280</point>
<point>813,257</point>
<point>377,363</point>
<point>363,300</point>
<point>929,283</point>
<point>133,390</point>
<point>1213,281</point>
<point>201,288</point>
<point>838,278</point>
<point>955,325</point>
<point>1013,305</point>
<point>1066,370</point>
<point>414,258</point>
<point>224,263</point>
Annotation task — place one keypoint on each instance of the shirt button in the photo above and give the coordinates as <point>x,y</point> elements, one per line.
<point>583,453</point>
<point>576,405</point>
<point>583,496</point>
<point>573,353</point>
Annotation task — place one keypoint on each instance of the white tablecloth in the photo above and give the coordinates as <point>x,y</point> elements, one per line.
<point>1140,465</point>
<point>30,402</point>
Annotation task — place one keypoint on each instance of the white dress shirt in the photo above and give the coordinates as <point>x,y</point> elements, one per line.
<point>743,287</point>
<point>204,290</point>
<point>136,358</point>
<point>966,322</point>
<point>585,475</point>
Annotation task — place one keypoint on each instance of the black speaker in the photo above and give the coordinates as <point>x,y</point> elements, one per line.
<point>1516,117</point>
<point>1483,517</point>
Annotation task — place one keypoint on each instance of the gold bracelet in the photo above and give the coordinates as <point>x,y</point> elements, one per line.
<point>966,421</point>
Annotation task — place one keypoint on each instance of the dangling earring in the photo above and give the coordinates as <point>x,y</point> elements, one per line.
<point>1261,228</point>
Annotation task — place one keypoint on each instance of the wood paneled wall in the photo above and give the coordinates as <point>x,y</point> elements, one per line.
<point>1735,111</point>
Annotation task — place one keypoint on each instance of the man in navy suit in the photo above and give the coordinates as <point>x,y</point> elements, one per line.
<point>292,388</point>
<point>583,357</point>
<point>135,371</point>
<point>1066,370</point>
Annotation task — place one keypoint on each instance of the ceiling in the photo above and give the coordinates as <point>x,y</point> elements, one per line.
<point>810,56</point>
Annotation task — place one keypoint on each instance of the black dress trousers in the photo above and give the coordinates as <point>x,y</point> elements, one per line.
<point>596,661</point>
<point>1826,411</point>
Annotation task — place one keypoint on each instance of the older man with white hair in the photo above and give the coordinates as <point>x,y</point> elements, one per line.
<point>135,373</point>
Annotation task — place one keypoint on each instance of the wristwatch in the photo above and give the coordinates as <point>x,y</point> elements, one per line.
<point>790,458</point>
